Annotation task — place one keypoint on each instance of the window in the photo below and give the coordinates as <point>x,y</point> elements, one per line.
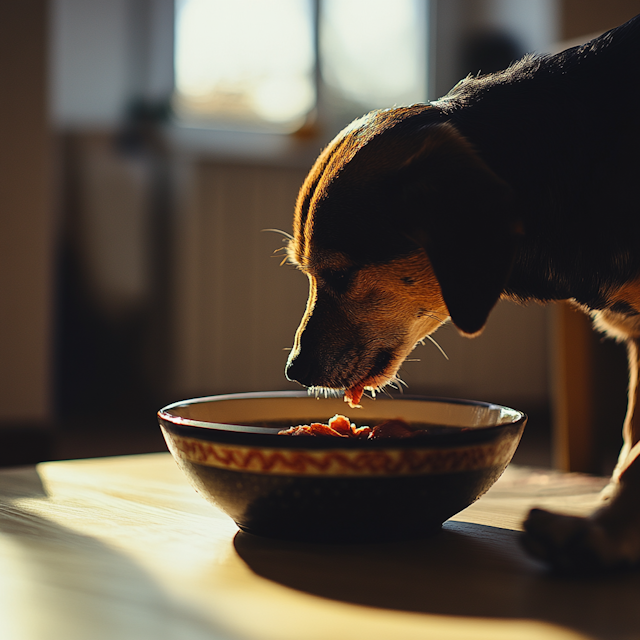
<point>246,61</point>
<point>373,52</point>
<point>274,64</point>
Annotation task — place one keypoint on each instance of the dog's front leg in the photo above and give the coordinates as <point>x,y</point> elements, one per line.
<point>631,429</point>
<point>610,537</point>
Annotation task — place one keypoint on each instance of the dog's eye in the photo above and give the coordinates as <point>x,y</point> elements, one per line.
<point>339,281</point>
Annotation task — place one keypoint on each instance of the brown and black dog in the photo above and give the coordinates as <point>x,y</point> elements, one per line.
<point>523,184</point>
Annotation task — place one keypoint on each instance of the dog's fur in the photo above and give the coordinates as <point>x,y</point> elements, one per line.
<point>521,184</point>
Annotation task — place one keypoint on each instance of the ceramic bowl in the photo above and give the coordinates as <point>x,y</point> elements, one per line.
<point>330,489</point>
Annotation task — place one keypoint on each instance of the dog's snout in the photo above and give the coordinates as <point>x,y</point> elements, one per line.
<point>298,369</point>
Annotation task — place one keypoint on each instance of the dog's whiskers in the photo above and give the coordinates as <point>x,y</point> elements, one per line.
<point>385,390</point>
<point>326,392</point>
<point>440,349</point>
<point>398,383</point>
<point>394,383</point>
<point>288,236</point>
<point>286,259</point>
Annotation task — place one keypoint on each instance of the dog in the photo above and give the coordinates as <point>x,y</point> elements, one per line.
<point>522,184</point>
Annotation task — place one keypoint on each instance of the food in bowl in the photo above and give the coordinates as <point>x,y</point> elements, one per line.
<point>334,489</point>
<point>341,427</point>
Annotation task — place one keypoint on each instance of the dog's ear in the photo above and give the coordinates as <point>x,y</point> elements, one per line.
<point>462,214</point>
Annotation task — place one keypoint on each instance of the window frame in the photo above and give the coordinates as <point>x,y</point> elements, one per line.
<point>295,148</point>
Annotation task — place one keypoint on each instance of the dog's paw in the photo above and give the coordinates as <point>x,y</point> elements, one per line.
<point>609,492</point>
<point>575,544</point>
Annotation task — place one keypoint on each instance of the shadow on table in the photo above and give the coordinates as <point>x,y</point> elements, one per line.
<point>466,570</point>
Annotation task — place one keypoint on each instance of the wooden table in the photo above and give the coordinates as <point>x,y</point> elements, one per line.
<point>123,548</point>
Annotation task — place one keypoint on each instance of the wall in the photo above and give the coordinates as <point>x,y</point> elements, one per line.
<point>590,17</point>
<point>26,215</point>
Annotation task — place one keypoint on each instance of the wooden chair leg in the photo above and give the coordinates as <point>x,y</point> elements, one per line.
<point>572,389</point>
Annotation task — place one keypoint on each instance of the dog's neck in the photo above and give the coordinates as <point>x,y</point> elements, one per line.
<point>558,268</point>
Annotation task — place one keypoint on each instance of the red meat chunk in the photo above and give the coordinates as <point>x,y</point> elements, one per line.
<point>340,426</point>
<point>354,395</point>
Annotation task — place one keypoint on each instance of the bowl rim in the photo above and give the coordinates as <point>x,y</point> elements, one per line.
<point>264,436</point>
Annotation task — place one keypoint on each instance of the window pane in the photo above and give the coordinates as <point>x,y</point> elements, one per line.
<point>373,52</point>
<point>244,61</point>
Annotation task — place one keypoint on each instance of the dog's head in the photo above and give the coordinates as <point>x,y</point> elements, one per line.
<point>398,226</point>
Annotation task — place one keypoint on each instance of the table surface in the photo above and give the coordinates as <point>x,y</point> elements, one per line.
<point>123,548</point>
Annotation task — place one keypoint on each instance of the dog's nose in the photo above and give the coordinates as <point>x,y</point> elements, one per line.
<point>298,369</point>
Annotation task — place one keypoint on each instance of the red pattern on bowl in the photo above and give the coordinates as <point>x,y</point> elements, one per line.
<point>344,462</point>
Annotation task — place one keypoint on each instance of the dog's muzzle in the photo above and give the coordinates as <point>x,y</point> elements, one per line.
<point>299,370</point>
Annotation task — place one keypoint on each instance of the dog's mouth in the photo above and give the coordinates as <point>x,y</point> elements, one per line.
<point>377,377</point>
<point>380,372</point>
<point>353,395</point>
